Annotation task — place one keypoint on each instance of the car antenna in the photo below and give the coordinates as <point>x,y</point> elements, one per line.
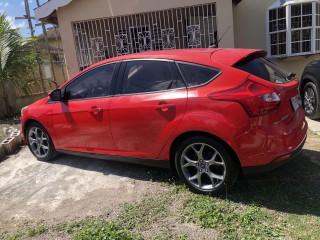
<point>223,35</point>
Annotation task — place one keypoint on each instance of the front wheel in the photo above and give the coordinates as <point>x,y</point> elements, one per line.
<point>205,165</point>
<point>311,101</point>
<point>40,143</point>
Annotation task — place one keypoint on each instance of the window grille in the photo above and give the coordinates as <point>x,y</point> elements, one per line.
<point>294,29</point>
<point>188,27</point>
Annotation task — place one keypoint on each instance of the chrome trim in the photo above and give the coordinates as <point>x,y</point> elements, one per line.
<point>167,90</point>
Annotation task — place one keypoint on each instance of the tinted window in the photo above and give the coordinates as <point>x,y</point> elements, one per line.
<point>197,75</point>
<point>95,83</point>
<point>266,70</point>
<point>149,76</point>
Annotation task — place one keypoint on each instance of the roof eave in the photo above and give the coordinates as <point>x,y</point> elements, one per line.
<point>47,12</point>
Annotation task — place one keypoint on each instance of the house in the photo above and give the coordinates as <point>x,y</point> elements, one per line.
<point>52,49</point>
<point>95,30</point>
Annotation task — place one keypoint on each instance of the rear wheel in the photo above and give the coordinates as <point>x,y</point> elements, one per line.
<point>205,165</point>
<point>40,143</point>
<point>311,101</point>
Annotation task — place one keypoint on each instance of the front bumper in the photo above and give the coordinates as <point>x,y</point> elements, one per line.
<point>276,163</point>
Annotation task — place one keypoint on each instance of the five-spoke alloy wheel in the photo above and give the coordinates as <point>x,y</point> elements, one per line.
<point>311,101</point>
<point>40,142</point>
<point>205,165</point>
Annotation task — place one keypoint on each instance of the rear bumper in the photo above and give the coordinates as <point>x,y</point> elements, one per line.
<point>276,163</point>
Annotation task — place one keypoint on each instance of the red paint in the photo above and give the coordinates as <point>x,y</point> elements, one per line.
<point>145,125</point>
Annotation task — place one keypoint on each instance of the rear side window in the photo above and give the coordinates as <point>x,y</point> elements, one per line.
<point>196,75</point>
<point>149,76</point>
<point>266,69</point>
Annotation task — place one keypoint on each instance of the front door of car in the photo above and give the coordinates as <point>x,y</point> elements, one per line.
<point>149,106</point>
<point>81,121</point>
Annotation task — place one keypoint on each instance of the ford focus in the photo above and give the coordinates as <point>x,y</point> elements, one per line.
<point>209,114</point>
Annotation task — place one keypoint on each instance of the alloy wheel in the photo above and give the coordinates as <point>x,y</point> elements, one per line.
<point>38,142</point>
<point>203,166</point>
<point>309,101</point>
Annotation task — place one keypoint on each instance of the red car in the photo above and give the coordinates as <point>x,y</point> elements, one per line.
<point>210,114</point>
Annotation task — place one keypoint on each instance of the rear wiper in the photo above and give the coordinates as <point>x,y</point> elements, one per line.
<point>291,75</point>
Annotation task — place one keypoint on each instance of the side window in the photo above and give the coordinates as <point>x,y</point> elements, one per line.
<point>94,83</point>
<point>149,76</point>
<point>197,75</point>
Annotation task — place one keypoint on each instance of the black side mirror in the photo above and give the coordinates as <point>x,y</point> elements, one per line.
<point>55,95</point>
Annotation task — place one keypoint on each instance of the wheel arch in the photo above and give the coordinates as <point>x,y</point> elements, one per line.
<point>183,136</point>
<point>28,122</point>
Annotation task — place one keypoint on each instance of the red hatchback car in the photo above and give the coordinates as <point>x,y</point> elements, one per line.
<point>209,113</point>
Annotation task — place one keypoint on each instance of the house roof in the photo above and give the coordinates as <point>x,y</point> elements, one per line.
<point>51,34</point>
<point>47,11</point>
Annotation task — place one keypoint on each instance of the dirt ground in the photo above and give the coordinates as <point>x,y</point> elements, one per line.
<point>67,188</point>
<point>33,192</point>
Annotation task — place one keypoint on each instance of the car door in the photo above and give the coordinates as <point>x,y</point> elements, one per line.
<point>149,105</point>
<point>81,121</point>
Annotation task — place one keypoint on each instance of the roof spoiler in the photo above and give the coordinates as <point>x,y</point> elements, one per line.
<point>250,57</point>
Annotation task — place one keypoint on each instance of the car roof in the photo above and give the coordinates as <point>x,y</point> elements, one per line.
<point>225,56</point>
<point>217,57</point>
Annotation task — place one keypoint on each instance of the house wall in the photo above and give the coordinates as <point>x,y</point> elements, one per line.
<point>249,18</point>
<point>85,10</point>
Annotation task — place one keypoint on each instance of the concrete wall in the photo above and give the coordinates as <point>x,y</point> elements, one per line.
<point>22,102</point>
<point>249,18</point>
<point>297,64</point>
<point>84,10</point>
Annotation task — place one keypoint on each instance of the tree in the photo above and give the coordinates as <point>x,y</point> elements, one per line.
<point>17,62</point>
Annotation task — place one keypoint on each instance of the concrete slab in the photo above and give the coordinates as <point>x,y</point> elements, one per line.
<point>314,125</point>
<point>10,145</point>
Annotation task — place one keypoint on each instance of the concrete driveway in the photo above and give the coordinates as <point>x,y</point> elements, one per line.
<point>67,188</point>
<point>314,125</point>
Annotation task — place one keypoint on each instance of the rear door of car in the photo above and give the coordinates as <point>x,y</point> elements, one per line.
<point>81,121</point>
<point>149,104</point>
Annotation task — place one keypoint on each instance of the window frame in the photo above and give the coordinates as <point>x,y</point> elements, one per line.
<point>112,85</point>
<point>201,66</point>
<point>289,30</point>
<point>120,79</point>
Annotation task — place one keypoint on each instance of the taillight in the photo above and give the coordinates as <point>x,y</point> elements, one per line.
<point>255,98</point>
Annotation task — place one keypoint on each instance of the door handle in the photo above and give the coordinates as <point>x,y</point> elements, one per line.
<point>164,107</point>
<point>95,110</point>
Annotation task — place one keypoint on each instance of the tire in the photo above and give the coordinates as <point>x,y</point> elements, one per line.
<point>40,142</point>
<point>311,101</point>
<point>205,166</point>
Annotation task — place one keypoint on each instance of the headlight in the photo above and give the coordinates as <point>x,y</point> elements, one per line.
<point>23,109</point>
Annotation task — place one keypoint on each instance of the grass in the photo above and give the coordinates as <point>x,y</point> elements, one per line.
<point>37,231</point>
<point>234,221</point>
<point>284,204</point>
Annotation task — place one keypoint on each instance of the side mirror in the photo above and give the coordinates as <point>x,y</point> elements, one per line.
<point>55,95</point>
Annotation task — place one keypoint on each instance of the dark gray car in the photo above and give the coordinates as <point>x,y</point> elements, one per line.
<point>310,89</point>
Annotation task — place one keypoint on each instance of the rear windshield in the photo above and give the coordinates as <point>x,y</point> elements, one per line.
<point>266,69</point>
